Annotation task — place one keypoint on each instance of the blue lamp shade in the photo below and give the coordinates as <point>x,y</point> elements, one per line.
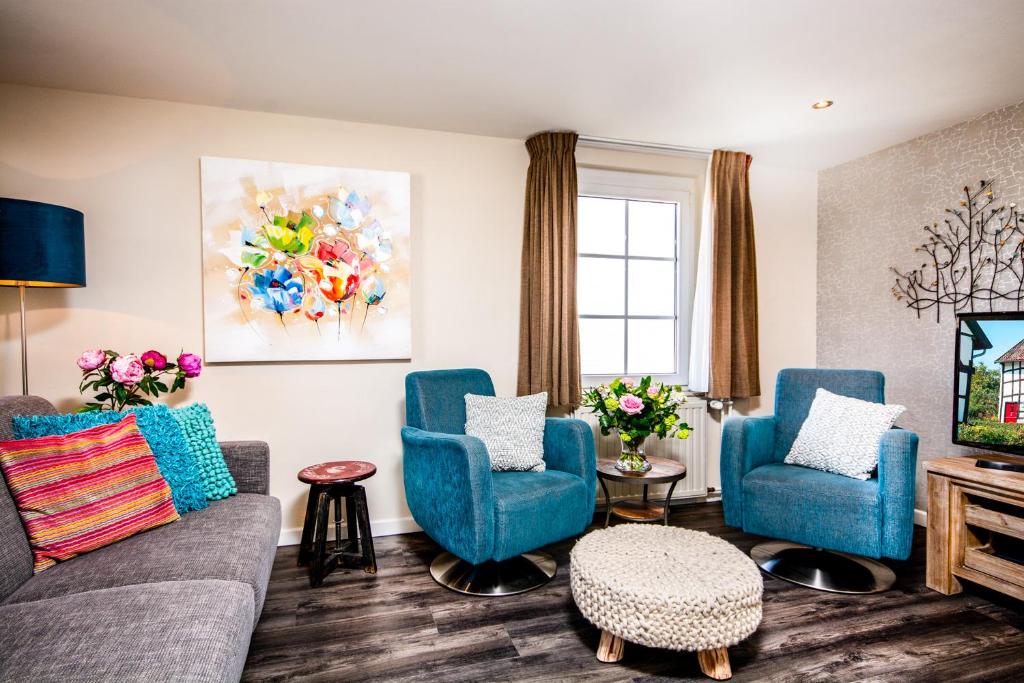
<point>41,245</point>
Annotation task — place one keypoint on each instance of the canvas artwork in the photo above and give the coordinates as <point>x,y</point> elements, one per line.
<point>304,262</point>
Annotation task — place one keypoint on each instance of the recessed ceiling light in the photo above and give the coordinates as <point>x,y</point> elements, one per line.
<point>822,104</point>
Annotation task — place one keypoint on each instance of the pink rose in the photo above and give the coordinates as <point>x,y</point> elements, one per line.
<point>628,382</point>
<point>653,391</point>
<point>127,369</point>
<point>92,359</point>
<point>154,359</point>
<point>630,404</point>
<point>191,364</point>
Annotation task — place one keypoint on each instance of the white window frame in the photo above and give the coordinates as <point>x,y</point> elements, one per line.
<point>608,184</point>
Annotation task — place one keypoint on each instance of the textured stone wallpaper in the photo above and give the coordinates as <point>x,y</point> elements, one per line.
<point>871,212</point>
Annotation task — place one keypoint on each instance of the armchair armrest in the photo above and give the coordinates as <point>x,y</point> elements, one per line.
<point>897,473</point>
<point>449,492</point>
<point>249,464</point>
<point>747,443</point>
<point>569,447</point>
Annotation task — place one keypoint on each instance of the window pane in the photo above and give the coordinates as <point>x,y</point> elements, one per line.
<point>602,226</point>
<point>652,348</point>
<point>600,286</point>
<point>652,229</point>
<point>601,346</point>
<point>652,287</point>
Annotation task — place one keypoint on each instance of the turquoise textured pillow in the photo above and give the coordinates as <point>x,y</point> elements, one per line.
<point>197,425</point>
<point>162,433</point>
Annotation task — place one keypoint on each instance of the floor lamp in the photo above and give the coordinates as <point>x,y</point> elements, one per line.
<point>41,245</point>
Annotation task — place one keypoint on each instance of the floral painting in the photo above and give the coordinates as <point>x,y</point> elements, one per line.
<point>304,262</point>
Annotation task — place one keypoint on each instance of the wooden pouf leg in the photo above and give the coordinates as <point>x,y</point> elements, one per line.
<point>715,663</point>
<point>610,648</point>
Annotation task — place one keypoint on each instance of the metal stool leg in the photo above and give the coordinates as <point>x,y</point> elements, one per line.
<point>316,569</point>
<point>337,521</point>
<point>352,518</point>
<point>306,543</point>
<point>365,535</point>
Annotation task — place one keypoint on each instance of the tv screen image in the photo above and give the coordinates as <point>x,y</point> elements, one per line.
<point>988,409</point>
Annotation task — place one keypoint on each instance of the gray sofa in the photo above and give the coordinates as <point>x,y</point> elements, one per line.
<point>177,603</point>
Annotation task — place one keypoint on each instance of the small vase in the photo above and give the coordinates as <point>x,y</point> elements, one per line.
<point>632,460</point>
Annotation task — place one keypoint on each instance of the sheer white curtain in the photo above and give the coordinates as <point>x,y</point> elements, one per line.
<point>700,329</point>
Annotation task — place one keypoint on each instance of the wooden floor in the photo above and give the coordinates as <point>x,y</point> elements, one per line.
<point>401,626</point>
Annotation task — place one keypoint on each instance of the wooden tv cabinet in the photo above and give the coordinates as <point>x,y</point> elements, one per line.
<point>975,526</point>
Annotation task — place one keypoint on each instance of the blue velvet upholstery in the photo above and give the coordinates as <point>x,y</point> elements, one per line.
<point>472,512</point>
<point>764,496</point>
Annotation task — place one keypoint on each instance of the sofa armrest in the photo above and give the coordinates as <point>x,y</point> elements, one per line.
<point>897,474</point>
<point>449,491</point>
<point>249,464</point>
<point>569,447</point>
<point>747,443</point>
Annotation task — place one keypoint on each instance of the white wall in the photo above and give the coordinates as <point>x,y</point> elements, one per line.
<point>132,166</point>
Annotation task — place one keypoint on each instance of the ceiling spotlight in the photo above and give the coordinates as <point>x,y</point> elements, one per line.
<point>822,104</point>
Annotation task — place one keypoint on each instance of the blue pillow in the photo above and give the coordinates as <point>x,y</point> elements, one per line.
<point>162,433</point>
<point>197,425</point>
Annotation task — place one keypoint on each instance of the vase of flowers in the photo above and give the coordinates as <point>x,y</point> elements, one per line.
<point>636,411</point>
<point>122,380</point>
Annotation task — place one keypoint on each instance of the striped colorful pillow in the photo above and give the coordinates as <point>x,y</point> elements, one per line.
<point>82,491</point>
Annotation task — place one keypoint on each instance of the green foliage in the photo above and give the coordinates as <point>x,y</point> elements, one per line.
<point>658,415</point>
<point>996,433</point>
<point>984,399</point>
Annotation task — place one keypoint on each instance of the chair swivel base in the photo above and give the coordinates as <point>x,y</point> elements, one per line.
<point>822,570</point>
<point>509,577</point>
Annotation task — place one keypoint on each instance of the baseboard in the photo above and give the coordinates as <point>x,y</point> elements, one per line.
<point>920,517</point>
<point>381,527</point>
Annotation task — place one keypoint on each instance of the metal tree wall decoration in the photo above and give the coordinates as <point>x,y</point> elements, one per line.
<point>973,257</point>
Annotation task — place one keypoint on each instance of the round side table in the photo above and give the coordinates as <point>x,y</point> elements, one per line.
<point>333,481</point>
<point>663,471</point>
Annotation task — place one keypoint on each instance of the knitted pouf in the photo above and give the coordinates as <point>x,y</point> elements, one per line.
<point>666,587</point>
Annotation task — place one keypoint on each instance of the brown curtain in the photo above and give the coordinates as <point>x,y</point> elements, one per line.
<point>734,350</point>
<point>549,347</point>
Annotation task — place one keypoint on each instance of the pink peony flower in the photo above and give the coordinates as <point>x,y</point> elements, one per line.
<point>191,364</point>
<point>127,369</point>
<point>628,382</point>
<point>653,391</point>
<point>91,359</point>
<point>154,359</point>
<point>630,404</point>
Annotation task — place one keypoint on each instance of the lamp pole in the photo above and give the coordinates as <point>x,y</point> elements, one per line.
<point>24,342</point>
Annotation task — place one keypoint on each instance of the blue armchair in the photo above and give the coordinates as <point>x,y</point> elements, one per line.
<point>764,496</point>
<point>490,523</point>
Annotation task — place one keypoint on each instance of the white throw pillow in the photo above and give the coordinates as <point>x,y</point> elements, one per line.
<point>842,434</point>
<point>511,428</point>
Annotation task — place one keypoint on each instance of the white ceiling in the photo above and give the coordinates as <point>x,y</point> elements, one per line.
<point>710,73</point>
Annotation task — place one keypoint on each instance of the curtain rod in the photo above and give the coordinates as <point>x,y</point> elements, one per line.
<point>615,143</point>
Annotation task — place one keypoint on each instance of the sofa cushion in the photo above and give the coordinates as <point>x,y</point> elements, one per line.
<point>153,632</point>
<point>533,509</point>
<point>816,508</point>
<point>197,427</point>
<point>161,431</point>
<point>512,429</point>
<point>15,552</point>
<point>83,491</point>
<point>842,434</point>
<point>233,539</point>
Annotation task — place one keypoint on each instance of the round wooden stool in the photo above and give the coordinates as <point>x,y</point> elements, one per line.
<point>332,481</point>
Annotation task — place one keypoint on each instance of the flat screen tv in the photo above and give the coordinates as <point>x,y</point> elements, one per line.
<point>988,408</point>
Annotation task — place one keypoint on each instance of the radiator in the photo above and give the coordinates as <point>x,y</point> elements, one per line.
<point>691,452</point>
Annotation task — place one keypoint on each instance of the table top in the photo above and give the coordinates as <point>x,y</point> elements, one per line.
<point>663,471</point>
<point>337,471</point>
<point>962,467</point>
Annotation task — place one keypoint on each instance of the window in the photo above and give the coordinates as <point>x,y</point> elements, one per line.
<point>634,274</point>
